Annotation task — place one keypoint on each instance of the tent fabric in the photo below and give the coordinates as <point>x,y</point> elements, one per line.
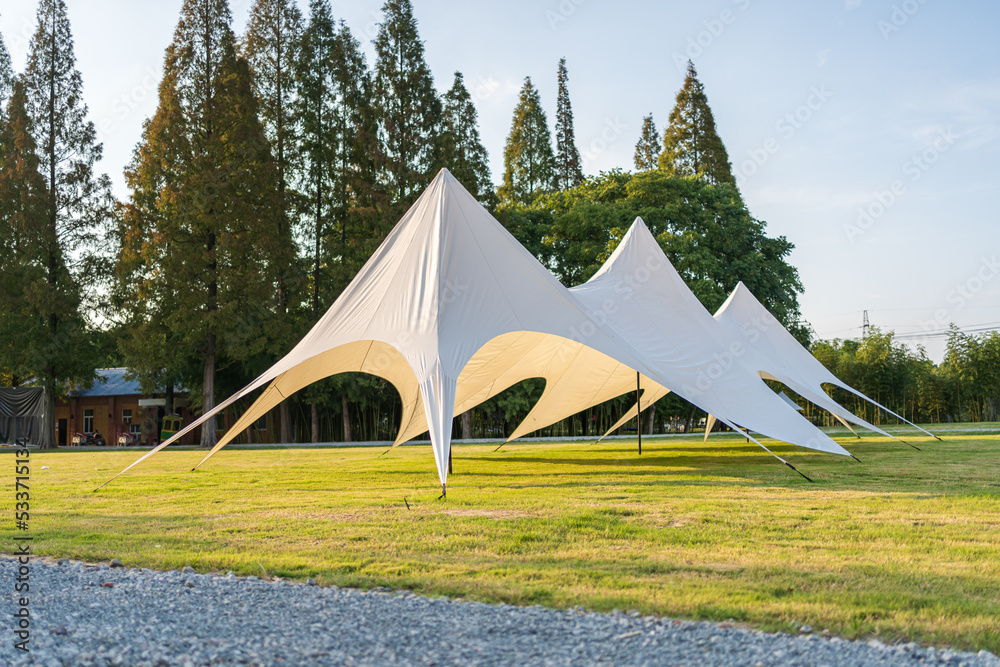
<point>640,296</point>
<point>449,279</point>
<point>783,358</point>
<point>580,377</point>
<point>446,280</point>
<point>24,416</point>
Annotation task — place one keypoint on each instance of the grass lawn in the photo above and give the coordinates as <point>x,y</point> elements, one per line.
<point>905,545</point>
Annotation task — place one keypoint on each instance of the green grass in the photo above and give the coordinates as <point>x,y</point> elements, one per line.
<point>905,545</point>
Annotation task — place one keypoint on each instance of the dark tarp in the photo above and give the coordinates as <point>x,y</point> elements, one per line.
<point>22,416</point>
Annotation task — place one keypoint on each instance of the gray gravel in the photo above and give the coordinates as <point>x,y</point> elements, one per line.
<point>181,618</point>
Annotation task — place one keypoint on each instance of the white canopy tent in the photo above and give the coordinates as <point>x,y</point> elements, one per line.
<point>778,355</point>
<point>451,297</point>
<point>788,361</point>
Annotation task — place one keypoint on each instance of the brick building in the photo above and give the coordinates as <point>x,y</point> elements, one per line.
<point>116,405</point>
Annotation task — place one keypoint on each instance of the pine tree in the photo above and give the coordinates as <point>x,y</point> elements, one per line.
<point>462,152</point>
<point>198,234</point>
<point>568,172</point>
<point>647,151</point>
<point>77,201</point>
<point>691,145</point>
<point>270,47</point>
<point>35,284</point>
<point>6,77</point>
<point>529,166</point>
<point>339,160</point>
<point>405,101</point>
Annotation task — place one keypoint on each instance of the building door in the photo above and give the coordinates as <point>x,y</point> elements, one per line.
<point>63,427</point>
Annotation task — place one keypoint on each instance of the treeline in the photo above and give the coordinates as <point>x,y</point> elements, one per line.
<point>964,387</point>
<point>274,165</point>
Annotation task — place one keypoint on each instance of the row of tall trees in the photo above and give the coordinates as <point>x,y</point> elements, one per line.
<point>53,207</point>
<point>964,387</point>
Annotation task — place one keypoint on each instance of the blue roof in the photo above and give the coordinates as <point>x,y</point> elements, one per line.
<point>111,382</point>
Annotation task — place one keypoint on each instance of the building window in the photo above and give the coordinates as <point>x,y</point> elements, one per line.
<point>135,429</point>
<point>127,417</point>
<point>88,421</point>
<point>260,424</point>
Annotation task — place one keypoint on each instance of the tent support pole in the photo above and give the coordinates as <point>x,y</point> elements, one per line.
<point>450,470</point>
<point>638,414</point>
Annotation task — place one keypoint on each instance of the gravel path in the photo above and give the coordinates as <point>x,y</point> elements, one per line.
<point>182,618</point>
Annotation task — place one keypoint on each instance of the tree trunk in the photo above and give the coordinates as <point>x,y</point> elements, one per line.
<point>467,425</point>
<point>49,433</point>
<point>346,417</point>
<point>652,419</point>
<point>314,421</point>
<point>690,418</point>
<point>208,437</point>
<point>285,416</point>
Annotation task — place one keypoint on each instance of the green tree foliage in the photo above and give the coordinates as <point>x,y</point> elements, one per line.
<point>36,287</point>
<point>462,151</point>
<point>647,150</point>
<point>971,370</point>
<point>196,271</point>
<point>568,172</point>
<point>529,166</point>
<point>77,201</point>
<point>705,230</point>
<point>406,104</point>
<point>343,204</point>
<point>6,77</point>
<point>339,155</point>
<point>270,47</point>
<point>886,370</point>
<point>691,145</point>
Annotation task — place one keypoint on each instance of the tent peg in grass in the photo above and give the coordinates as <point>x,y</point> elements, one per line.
<point>444,492</point>
<point>797,470</point>
<point>855,458</point>
<point>407,504</point>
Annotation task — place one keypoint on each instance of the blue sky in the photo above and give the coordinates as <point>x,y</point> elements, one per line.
<point>865,131</point>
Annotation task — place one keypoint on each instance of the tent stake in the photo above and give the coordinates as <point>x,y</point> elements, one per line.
<point>855,458</point>
<point>444,491</point>
<point>501,445</point>
<point>795,469</point>
<point>638,414</point>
